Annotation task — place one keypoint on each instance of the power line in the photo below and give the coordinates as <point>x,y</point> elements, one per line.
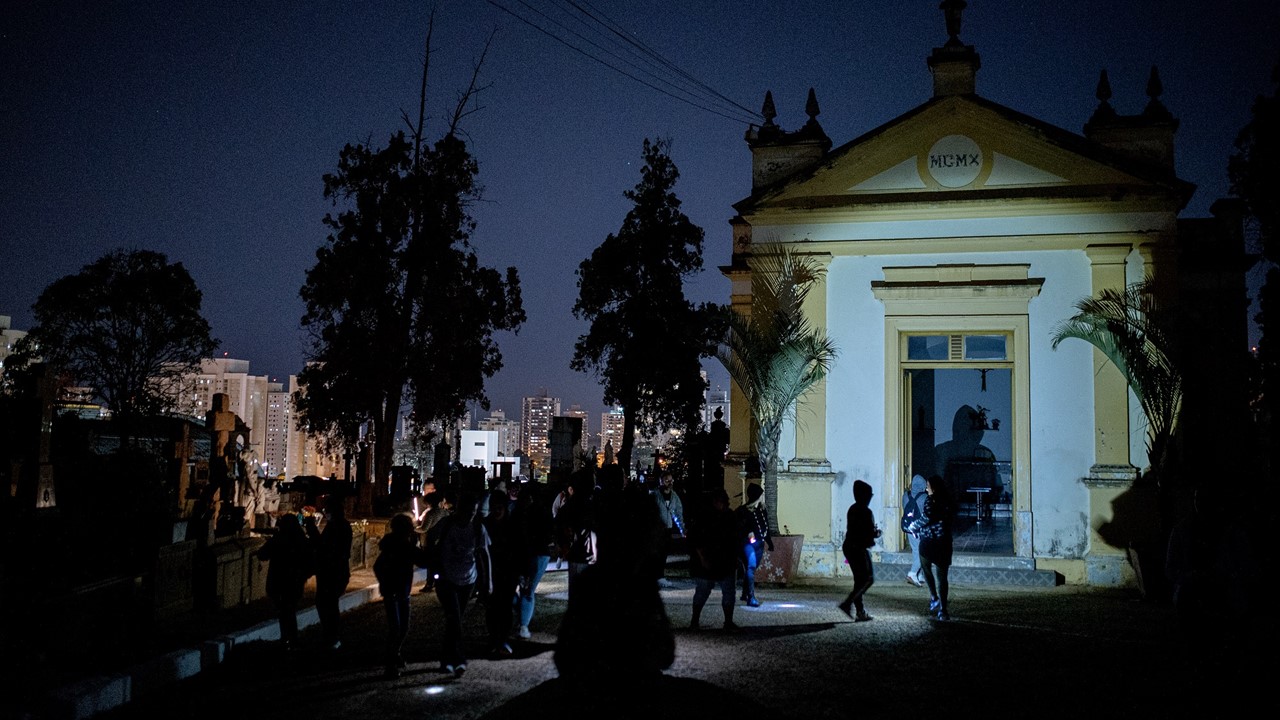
<point>631,40</point>
<point>700,98</point>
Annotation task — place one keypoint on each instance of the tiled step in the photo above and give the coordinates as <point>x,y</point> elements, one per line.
<point>981,570</point>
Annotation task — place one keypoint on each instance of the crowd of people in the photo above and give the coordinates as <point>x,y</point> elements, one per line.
<point>613,534</point>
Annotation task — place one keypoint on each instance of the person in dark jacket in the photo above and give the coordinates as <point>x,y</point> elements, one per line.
<point>504,554</point>
<point>398,554</point>
<point>333,567</point>
<point>536,538</point>
<point>290,563</point>
<point>860,534</point>
<point>713,539</point>
<point>934,531</point>
<point>753,531</point>
<point>464,561</point>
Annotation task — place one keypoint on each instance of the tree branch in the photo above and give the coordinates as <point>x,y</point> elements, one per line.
<point>460,110</point>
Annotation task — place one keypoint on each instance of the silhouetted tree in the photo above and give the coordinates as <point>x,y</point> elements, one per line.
<point>400,311</point>
<point>1253,178</point>
<point>646,340</point>
<point>774,355</point>
<point>128,325</point>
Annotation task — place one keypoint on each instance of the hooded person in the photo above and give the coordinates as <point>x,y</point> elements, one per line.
<point>753,532</point>
<point>860,534</point>
<point>912,508</point>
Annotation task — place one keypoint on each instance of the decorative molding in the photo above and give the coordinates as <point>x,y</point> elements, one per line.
<point>1110,476</point>
<point>807,468</point>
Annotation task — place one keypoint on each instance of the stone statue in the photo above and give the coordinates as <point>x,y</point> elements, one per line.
<point>608,452</point>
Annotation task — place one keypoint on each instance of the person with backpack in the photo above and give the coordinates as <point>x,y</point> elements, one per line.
<point>934,529</point>
<point>912,505</point>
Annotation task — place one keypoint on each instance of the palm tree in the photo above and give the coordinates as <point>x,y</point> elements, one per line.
<point>774,354</point>
<point>1136,334</point>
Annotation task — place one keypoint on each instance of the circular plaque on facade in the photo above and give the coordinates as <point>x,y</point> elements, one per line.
<point>954,161</point>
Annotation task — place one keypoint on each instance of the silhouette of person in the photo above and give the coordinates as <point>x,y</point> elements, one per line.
<point>333,566</point>
<point>504,558</point>
<point>860,534</point>
<point>576,527</point>
<point>713,562</point>
<point>290,562</point>
<point>753,534</point>
<point>535,535</point>
<point>463,546</point>
<point>615,635</point>
<point>671,512</point>
<point>963,461</point>
<point>398,554</point>
<point>439,505</point>
<point>934,531</point>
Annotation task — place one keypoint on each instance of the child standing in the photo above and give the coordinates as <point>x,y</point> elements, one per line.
<point>860,534</point>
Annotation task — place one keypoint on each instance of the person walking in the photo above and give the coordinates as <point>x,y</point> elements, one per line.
<point>934,530</point>
<point>439,505</point>
<point>575,527</point>
<point>398,554</point>
<point>912,505</point>
<point>504,555</point>
<point>290,562</point>
<point>713,562</point>
<point>332,546</point>
<point>753,533</point>
<point>535,538</point>
<point>671,512</point>
<point>860,534</point>
<point>463,547</point>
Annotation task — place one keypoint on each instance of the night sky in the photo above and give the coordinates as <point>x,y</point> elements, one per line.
<point>202,130</point>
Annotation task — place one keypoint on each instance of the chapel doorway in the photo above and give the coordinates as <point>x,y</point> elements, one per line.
<point>959,429</point>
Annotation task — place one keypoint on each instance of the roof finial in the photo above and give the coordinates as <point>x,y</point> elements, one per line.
<point>767,110</point>
<point>1104,113</point>
<point>811,106</point>
<point>951,10</point>
<point>1103,92</point>
<point>1155,88</point>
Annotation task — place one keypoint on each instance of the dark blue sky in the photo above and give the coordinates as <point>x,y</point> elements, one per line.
<point>202,130</point>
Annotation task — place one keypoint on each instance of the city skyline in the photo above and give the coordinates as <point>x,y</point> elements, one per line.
<point>204,135</point>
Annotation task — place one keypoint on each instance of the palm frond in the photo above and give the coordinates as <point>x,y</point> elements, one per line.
<point>1131,329</point>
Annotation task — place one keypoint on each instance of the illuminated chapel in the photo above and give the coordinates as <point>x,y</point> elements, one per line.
<point>955,238</point>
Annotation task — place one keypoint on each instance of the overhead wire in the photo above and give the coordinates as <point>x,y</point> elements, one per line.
<point>630,39</point>
<point>701,96</point>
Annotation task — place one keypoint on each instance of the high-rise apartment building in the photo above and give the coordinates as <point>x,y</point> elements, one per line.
<point>508,441</point>
<point>247,395</point>
<point>576,411</point>
<point>275,453</point>
<point>612,424</point>
<point>535,426</point>
<point>305,456</point>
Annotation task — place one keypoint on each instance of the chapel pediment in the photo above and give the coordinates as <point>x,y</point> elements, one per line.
<point>964,147</point>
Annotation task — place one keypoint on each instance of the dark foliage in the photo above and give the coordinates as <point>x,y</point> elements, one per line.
<point>400,310</point>
<point>127,325</point>
<point>646,340</point>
